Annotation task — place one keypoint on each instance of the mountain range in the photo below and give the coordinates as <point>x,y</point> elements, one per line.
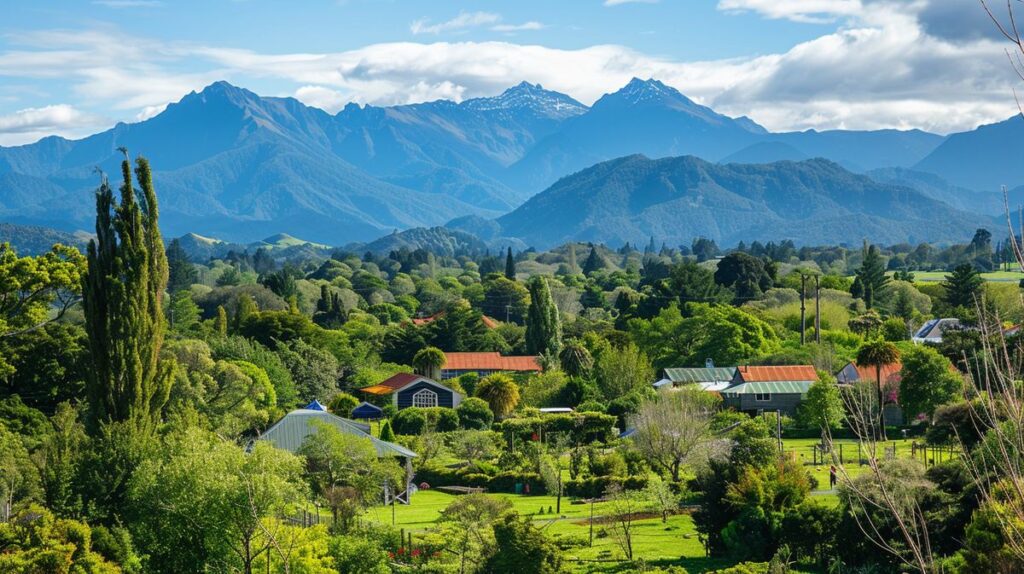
<point>237,166</point>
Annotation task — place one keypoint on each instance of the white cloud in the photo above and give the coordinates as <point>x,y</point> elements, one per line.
<point>323,98</point>
<point>812,11</point>
<point>461,22</point>
<point>55,117</point>
<point>531,25</point>
<point>881,68</point>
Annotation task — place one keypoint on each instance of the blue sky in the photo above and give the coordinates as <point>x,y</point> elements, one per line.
<point>74,68</point>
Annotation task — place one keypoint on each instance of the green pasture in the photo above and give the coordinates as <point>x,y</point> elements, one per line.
<point>995,276</point>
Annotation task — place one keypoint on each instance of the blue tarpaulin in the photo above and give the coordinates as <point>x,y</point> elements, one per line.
<point>315,406</point>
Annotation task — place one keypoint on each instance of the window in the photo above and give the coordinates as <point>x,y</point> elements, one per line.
<point>762,397</point>
<point>424,398</point>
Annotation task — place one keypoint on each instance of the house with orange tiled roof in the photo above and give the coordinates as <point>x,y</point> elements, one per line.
<point>410,390</point>
<point>484,364</point>
<point>769,388</point>
<point>891,374</point>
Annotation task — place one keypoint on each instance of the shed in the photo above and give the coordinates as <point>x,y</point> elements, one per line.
<point>291,431</point>
<point>366,411</point>
<point>931,332</point>
<point>707,378</point>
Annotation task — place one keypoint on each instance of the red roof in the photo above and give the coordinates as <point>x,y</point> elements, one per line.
<point>890,373</point>
<point>392,384</point>
<point>771,373</point>
<point>490,362</point>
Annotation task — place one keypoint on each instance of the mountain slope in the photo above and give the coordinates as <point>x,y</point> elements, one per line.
<point>815,201</point>
<point>227,163</point>
<point>982,159</point>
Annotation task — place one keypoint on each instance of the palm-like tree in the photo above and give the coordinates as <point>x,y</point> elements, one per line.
<point>575,359</point>
<point>877,354</point>
<point>500,392</point>
<point>429,361</point>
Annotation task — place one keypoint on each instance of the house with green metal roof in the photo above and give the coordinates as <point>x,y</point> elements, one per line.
<point>769,388</point>
<point>708,378</point>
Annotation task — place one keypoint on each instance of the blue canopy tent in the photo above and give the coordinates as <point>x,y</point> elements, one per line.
<point>366,411</point>
<point>315,406</point>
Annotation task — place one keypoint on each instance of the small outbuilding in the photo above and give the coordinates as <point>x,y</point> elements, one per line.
<point>710,378</point>
<point>367,412</point>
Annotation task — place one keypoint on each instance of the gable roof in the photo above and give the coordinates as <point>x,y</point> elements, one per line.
<point>392,383</point>
<point>932,330</point>
<point>853,372</point>
<point>768,373</point>
<point>769,387</point>
<point>291,431</point>
<point>399,381</point>
<point>490,362</point>
<point>700,374</point>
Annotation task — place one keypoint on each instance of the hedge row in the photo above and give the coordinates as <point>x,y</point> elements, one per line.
<point>501,482</point>
<point>596,486</point>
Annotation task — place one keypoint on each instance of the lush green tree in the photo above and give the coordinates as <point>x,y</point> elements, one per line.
<point>313,370</point>
<point>822,407</point>
<point>181,274</point>
<point>466,527</point>
<point>49,365</point>
<point>122,299</point>
<point>36,541</point>
<point>474,413</point>
<point>235,493</point>
<point>693,283</point>
<point>182,312</point>
<point>336,460</point>
<point>30,287</point>
<point>520,547</point>
<point>543,326</point>
<point>576,359</point>
<point>386,433</point>
<point>724,334</point>
<point>744,274</point>
<point>504,299</point>
<point>342,404</point>
<point>359,554</point>
<point>962,288</point>
<point>871,275</point>
<point>927,381</point>
<point>409,421</point>
<point>19,477</point>
<point>500,392</point>
<point>428,362</point>
<point>621,370</point>
<point>878,354</point>
<point>221,323</point>
<point>61,456</point>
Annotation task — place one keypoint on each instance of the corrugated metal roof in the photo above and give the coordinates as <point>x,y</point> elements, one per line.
<point>290,432</point>
<point>890,373</point>
<point>767,373</point>
<point>489,362</point>
<point>771,387</point>
<point>700,374</point>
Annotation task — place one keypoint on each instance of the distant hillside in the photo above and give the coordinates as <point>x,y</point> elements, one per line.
<point>33,240</point>
<point>982,159</point>
<point>935,187</point>
<point>437,240</point>
<point>677,199</point>
<point>281,246</point>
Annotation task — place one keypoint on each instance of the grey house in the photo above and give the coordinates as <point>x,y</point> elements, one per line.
<point>769,388</point>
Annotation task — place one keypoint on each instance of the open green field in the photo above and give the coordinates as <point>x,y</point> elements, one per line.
<point>997,276</point>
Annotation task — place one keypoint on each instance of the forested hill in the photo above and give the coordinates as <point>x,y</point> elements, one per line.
<point>677,199</point>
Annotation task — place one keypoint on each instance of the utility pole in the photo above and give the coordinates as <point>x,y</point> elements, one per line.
<point>803,309</point>
<point>817,309</point>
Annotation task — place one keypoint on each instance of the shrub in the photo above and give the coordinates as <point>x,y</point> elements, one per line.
<point>410,421</point>
<point>474,413</point>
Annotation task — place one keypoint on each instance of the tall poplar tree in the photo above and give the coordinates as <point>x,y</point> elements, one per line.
<point>543,328</point>
<point>122,293</point>
<point>510,266</point>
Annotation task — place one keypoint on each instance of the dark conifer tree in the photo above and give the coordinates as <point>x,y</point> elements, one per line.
<point>543,327</point>
<point>594,262</point>
<point>181,273</point>
<point>510,266</point>
<point>122,294</point>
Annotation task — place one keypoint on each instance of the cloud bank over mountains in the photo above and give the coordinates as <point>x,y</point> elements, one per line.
<point>936,65</point>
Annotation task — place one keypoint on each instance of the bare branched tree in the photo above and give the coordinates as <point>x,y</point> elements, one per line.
<point>883,499</point>
<point>674,430</point>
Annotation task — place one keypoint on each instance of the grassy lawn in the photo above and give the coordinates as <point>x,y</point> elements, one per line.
<point>936,276</point>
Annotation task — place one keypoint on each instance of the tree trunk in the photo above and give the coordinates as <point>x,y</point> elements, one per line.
<point>881,402</point>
